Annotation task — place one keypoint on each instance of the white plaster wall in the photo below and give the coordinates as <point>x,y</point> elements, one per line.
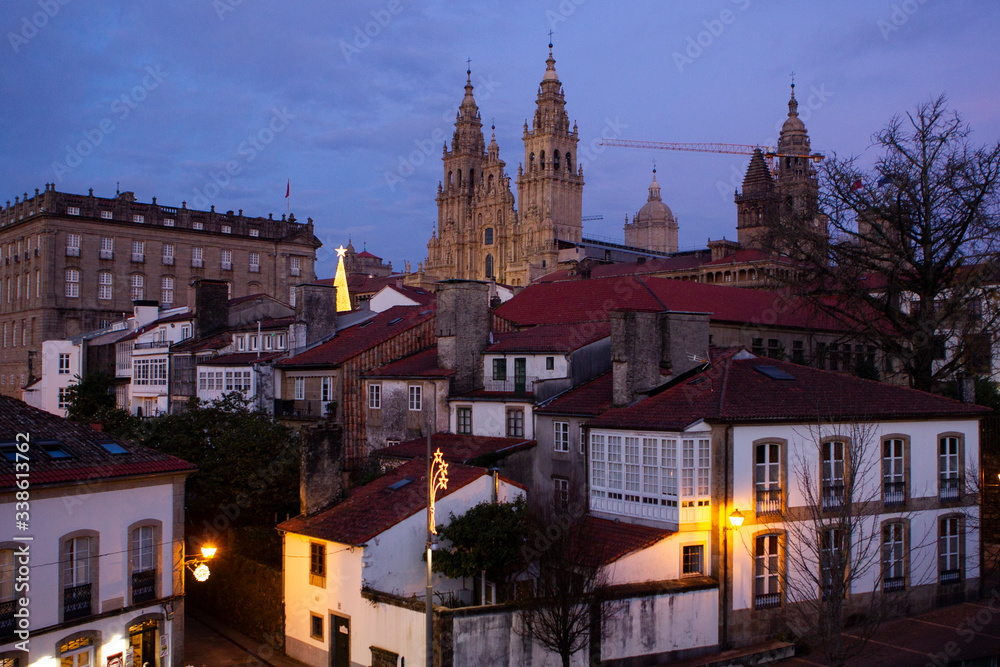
<point>489,418</point>
<point>923,483</point>
<point>534,366</point>
<point>386,298</point>
<point>663,623</point>
<point>45,394</point>
<point>660,561</point>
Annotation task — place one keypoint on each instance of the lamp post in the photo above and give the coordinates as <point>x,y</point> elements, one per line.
<point>735,521</point>
<point>437,479</point>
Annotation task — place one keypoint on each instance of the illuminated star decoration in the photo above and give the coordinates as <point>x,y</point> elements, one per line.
<point>439,481</point>
<point>340,282</point>
<point>341,251</point>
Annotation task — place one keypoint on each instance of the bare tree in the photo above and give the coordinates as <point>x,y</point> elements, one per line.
<point>841,568</point>
<point>913,240</point>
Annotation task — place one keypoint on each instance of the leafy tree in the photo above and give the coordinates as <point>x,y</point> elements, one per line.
<point>248,464</point>
<point>487,538</point>
<point>910,260</point>
<point>91,399</point>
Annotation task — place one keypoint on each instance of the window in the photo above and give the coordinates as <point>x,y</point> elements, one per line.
<point>72,245</point>
<point>500,370</point>
<point>197,258</point>
<point>197,225</point>
<point>489,266</point>
<point>949,557</point>
<point>72,283</point>
<point>142,550</point>
<point>63,364</point>
<point>254,262</point>
<point>241,343</point>
<point>300,389</point>
<point>832,474</point>
<point>105,285</point>
<point>893,556</point>
<point>168,222</point>
<point>138,251</point>
<point>560,492</point>
<point>167,290</point>
<point>774,349</point>
<point>416,397</point>
<point>185,331</point>
<point>375,396</point>
<point>317,564</point>
<point>757,346</point>
<point>227,260</point>
<point>632,466</point>
<point>325,389</point>
<point>316,626</point>
<point>831,565</point>
<point>550,363</point>
<point>149,372</point>
<point>138,283</point>
<point>560,439</point>
<point>704,467</point>
<point>488,236</point>
<point>7,589</point>
<point>227,229</point>
<point>107,248</point>
<point>767,478</point>
<point>106,215</point>
<point>77,653</point>
<point>515,423</point>
<point>650,468</point>
<point>767,591</point>
<point>798,352</point>
<point>168,254</point>
<point>295,266</point>
<point>138,218</point>
<point>254,232</point>
<point>463,419</point>
<point>893,480</point>
<point>291,296</point>
<point>77,552</point>
<point>27,286</point>
<point>948,460</point>
<point>693,560</point>
<point>73,210</point>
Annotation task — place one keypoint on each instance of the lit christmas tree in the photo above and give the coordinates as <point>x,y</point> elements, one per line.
<point>340,282</point>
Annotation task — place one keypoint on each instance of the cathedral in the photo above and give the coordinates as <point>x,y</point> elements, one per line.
<point>480,233</point>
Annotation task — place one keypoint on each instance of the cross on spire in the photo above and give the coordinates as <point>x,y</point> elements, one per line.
<point>550,38</point>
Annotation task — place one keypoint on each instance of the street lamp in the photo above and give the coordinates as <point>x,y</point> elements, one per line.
<point>198,564</point>
<point>736,519</point>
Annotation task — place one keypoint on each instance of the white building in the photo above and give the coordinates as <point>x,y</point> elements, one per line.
<point>100,552</point>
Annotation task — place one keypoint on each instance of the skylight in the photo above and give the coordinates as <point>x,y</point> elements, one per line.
<point>394,321</point>
<point>774,372</point>
<point>113,448</point>
<point>9,451</point>
<point>396,486</point>
<point>55,449</point>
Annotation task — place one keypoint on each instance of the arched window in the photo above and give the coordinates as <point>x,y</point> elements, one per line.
<point>488,236</point>
<point>555,161</point>
<point>569,162</point>
<point>472,178</point>
<point>489,266</point>
<point>531,162</point>
<point>451,178</point>
<point>459,178</point>
<point>542,160</point>
<point>489,184</point>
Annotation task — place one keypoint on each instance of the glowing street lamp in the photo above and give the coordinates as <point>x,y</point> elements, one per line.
<point>197,564</point>
<point>736,518</point>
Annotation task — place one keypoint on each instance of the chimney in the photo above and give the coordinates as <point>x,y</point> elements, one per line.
<point>144,312</point>
<point>463,331</point>
<point>321,479</point>
<point>211,306</point>
<point>648,348</point>
<point>316,305</point>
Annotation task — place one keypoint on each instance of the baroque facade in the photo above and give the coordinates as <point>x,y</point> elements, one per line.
<point>75,263</point>
<point>480,234</point>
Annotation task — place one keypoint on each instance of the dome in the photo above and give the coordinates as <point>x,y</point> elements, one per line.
<point>793,124</point>
<point>654,210</point>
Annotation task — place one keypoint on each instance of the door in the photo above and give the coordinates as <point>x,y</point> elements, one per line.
<point>340,641</point>
<point>520,374</point>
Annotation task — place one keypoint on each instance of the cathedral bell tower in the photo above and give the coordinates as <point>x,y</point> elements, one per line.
<point>796,178</point>
<point>549,183</point>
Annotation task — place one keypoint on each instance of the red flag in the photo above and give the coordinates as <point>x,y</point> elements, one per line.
<point>856,185</point>
<point>288,188</point>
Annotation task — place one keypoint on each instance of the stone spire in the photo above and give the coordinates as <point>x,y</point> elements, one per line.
<point>654,189</point>
<point>758,180</point>
<point>468,136</point>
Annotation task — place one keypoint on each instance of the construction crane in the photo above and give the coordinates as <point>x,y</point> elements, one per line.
<point>591,217</point>
<point>737,149</point>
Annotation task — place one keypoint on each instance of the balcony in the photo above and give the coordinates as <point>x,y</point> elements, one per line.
<point>138,257</point>
<point>76,602</point>
<point>197,263</point>
<point>948,489</point>
<point>255,268</point>
<point>833,496</point>
<point>295,271</point>
<point>890,584</point>
<point>151,345</point>
<point>767,601</point>
<point>143,586</point>
<point>227,266</point>
<point>950,576</point>
<point>523,385</point>
<point>168,261</point>
<point>107,254</point>
<point>72,252</point>
<point>893,493</point>
<point>768,501</point>
<point>6,620</point>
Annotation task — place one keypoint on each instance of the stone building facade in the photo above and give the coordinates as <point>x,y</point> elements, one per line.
<point>480,235</point>
<point>654,227</point>
<point>75,263</point>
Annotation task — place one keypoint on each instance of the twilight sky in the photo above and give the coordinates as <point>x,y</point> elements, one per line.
<point>223,101</point>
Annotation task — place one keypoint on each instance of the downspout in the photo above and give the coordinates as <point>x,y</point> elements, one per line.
<point>726,592</point>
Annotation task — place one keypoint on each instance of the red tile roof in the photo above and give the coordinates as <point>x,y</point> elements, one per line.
<point>374,508</point>
<point>590,398</point>
<point>747,255</point>
<point>570,301</point>
<point>357,338</point>
<point>365,253</point>
<point>457,448</point>
<point>88,460</point>
<point>603,541</point>
<point>421,364</point>
<point>551,338</point>
<point>733,389</point>
<point>214,342</point>
<point>249,297</point>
